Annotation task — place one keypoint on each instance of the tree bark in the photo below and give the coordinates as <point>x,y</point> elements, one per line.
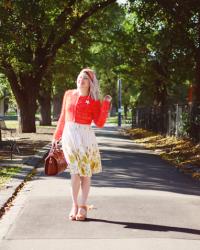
<point>28,106</point>
<point>27,118</point>
<point>57,104</point>
<point>26,98</point>
<point>45,111</point>
<point>160,89</point>
<point>44,100</point>
<point>125,110</point>
<point>160,93</point>
<point>194,128</point>
<point>197,92</point>
<point>196,97</point>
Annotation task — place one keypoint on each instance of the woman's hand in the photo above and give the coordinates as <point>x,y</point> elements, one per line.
<point>108,98</point>
<point>54,143</point>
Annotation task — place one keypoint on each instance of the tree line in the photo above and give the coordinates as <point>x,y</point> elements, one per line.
<point>153,46</point>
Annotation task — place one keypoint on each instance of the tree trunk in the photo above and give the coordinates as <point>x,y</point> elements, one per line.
<point>194,128</point>
<point>160,93</point>
<point>197,69</point>
<point>57,104</point>
<point>26,100</point>
<point>125,110</point>
<point>160,89</point>
<point>44,99</point>
<point>45,109</point>
<point>196,97</point>
<point>27,117</point>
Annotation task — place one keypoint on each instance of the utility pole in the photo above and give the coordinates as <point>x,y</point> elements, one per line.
<point>119,102</point>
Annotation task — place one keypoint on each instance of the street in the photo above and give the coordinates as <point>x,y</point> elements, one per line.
<point>140,202</point>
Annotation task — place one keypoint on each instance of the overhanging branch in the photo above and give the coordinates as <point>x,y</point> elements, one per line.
<point>59,21</point>
<point>12,76</point>
<point>77,24</point>
<point>50,51</point>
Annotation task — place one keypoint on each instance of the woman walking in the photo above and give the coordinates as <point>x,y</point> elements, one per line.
<point>80,107</point>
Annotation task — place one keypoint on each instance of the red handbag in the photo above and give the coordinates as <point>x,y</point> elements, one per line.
<point>55,162</point>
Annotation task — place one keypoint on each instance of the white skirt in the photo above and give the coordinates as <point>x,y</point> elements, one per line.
<point>81,149</point>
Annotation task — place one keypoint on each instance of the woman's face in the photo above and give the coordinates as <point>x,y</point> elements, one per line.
<point>83,81</point>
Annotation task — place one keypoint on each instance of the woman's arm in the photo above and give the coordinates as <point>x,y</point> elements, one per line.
<point>100,112</point>
<point>61,122</point>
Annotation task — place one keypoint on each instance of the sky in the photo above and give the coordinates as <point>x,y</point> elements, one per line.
<point>121,1</point>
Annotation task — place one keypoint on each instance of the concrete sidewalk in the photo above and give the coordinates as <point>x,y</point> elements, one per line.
<point>27,164</point>
<point>141,202</point>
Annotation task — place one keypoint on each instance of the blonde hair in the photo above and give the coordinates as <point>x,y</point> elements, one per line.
<point>94,84</point>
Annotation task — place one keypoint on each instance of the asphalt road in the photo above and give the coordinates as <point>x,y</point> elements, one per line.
<point>141,202</point>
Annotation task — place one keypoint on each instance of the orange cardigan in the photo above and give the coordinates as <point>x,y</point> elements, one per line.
<point>81,109</point>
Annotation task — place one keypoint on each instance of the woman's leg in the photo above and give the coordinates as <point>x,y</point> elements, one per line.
<point>85,187</point>
<point>75,186</point>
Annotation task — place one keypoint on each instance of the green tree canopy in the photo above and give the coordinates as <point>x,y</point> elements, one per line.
<point>31,33</point>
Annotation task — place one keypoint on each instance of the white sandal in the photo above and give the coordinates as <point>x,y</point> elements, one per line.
<point>73,213</point>
<point>80,216</point>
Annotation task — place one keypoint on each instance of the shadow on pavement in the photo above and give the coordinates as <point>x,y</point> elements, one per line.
<point>148,227</point>
<point>142,171</point>
<point>137,168</point>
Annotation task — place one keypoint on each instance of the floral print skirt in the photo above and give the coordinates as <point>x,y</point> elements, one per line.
<point>81,149</point>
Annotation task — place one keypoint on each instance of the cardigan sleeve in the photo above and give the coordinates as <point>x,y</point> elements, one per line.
<point>100,112</point>
<point>61,121</point>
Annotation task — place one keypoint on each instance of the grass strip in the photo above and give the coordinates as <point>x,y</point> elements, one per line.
<point>7,172</point>
<point>9,203</point>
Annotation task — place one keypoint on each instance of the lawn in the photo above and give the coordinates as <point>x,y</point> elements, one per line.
<point>7,172</point>
<point>14,124</point>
